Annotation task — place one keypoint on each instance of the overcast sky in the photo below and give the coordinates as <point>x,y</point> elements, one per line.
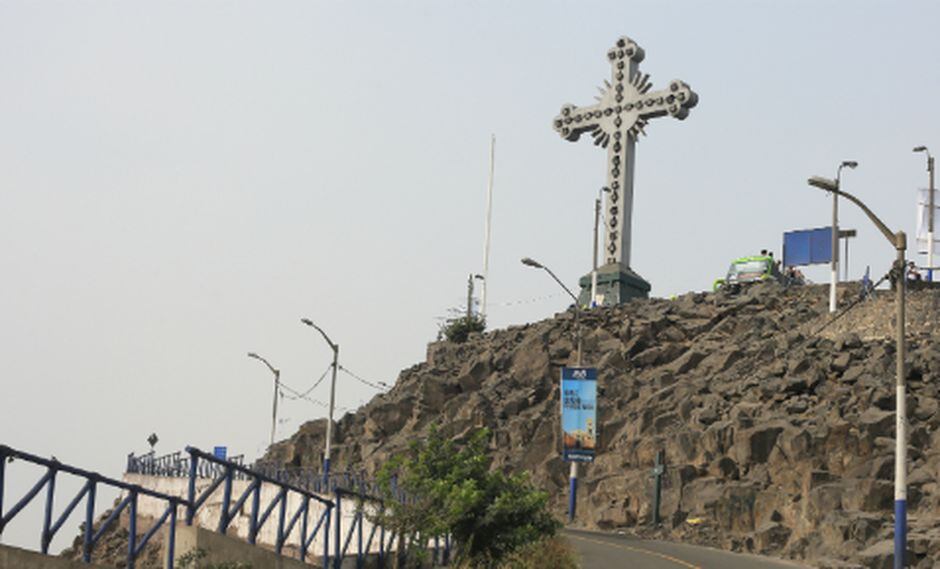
<point>181,182</point>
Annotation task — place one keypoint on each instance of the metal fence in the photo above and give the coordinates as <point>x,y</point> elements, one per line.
<point>51,524</point>
<point>304,485</point>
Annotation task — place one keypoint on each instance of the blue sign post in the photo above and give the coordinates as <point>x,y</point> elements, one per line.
<point>220,452</point>
<point>578,423</point>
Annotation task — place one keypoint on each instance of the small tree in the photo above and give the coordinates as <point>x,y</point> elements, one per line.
<point>450,490</point>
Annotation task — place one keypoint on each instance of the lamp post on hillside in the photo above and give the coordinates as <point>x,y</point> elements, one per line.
<point>573,471</point>
<point>834,261</point>
<point>329,420</point>
<point>930,204</point>
<point>899,241</point>
<point>277,388</point>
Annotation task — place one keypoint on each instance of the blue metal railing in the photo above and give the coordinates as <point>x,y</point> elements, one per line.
<point>229,472</point>
<point>88,492</point>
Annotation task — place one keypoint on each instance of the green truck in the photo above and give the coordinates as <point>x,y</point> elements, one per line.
<point>748,270</point>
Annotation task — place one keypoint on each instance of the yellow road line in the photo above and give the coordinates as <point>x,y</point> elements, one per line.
<point>636,550</point>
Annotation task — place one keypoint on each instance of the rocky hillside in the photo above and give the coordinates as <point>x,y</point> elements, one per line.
<point>777,427</point>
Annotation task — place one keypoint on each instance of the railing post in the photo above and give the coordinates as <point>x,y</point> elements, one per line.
<point>191,506</point>
<point>337,539</point>
<point>303,528</point>
<point>255,506</point>
<point>89,521</point>
<point>226,501</point>
<point>359,558</point>
<point>3,465</point>
<point>132,529</point>
<point>47,516</point>
<point>281,538</point>
<point>326,537</point>
<point>171,537</point>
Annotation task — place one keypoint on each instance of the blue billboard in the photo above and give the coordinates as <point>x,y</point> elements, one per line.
<point>579,413</point>
<point>807,247</point>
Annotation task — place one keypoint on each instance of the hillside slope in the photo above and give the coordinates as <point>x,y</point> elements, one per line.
<point>778,436</point>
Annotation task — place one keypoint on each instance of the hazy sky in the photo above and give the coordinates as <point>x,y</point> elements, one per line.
<point>181,182</point>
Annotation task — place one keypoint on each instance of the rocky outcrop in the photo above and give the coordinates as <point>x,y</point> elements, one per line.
<point>777,425</point>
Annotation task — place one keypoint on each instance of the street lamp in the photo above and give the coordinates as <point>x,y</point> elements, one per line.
<point>277,388</point>
<point>930,244</point>
<point>833,186</point>
<point>899,241</point>
<point>329,421</point>
<point>573,470</point>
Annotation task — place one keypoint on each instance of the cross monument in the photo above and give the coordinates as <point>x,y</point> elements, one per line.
<point>623,109</point>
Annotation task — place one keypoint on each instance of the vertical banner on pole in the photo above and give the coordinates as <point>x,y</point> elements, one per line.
<point>579,413</point>
<point>923,223</point>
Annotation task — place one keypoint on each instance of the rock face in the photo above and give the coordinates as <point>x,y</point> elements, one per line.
<point>777,427</point>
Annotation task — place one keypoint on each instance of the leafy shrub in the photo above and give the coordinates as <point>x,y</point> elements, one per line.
<point>459,328</point>
<point>489,514</point>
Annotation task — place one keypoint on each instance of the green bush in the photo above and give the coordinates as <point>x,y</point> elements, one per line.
<point>458,329</point>
<point>451,490</point>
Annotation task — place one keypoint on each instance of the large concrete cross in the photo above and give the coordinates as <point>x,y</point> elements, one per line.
<point>623,109</point>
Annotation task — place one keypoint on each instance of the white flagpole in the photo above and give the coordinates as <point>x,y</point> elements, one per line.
<point>489,219</point>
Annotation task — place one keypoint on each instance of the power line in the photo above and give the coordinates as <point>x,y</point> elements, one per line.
<point>380,385</point>
<point>319,381</point>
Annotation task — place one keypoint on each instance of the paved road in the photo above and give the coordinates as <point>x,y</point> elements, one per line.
<point>609,551</point>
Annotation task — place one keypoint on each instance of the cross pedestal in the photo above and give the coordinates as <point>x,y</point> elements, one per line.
<point>624,107</point>
<point>616,284</point>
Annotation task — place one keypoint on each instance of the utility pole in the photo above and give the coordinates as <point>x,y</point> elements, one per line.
<point>486,237</point>
<point>834,262</point>
<point>573,469</point>
<point>277,389</point>
<point>899,241</point>
<point>329,421</point>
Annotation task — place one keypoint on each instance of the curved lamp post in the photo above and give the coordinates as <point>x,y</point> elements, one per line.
<point>277,388</point>
<point>329,422</point>
<point>899,241</point>
<point>930,243</point>
<point>573,471</point>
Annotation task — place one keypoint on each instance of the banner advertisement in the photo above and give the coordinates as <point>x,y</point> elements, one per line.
<point>578,413</point>
<point>923,223</point>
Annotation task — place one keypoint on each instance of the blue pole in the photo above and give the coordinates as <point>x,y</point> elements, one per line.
<point>326,538</point>
<point>89,521</point>
<point>280,522</point>
<point>255,506</point>
<point>572,491</point>
<point>47,517</point>
<point>3,465</point>
<point>191,507</point>
<point>326,475</point>
<point>171,538</point>
<point>132,530</point>
<point>337,553</point>
<point>303,528</point>
<point>226,501</point>
<point>900,533</point>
